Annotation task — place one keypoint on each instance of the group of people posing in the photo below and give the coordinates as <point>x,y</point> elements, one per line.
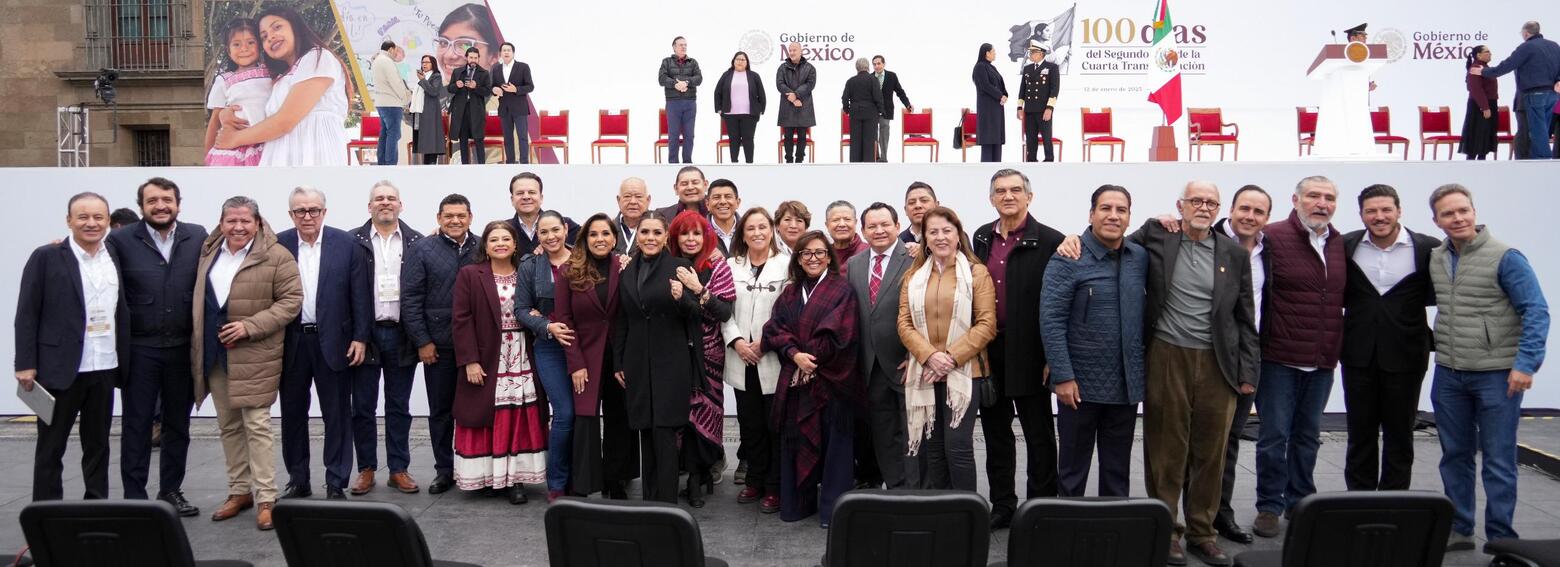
<point>585,355</point>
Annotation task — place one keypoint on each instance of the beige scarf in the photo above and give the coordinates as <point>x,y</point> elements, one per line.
<point>920,398</point>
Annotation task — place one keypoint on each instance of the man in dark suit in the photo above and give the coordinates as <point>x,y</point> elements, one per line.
<point>525,193</point>
<point>512,85</point>
<point>328,338</point>
<point>875,277</point>
<point>863,101</point>
<point>1249,210</point>
<point>919,199</point>
<point>468,107</point>
<point>690,187</point>
<point>889,82</point>
<point>1016,249</point>
<point>1037,91</point>
<point>158,264</point>
<point>1386,344</point>
<point>70,332</point>
<point>384,240</point>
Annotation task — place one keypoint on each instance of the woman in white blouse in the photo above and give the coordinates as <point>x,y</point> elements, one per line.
<point>759,271</point>
<point>306,114</point>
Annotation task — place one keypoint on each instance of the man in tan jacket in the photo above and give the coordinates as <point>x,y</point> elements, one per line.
<point>390,97</point>
<point>247,292</point>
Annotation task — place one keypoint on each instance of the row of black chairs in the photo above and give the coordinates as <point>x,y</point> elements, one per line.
<point>870,528</point>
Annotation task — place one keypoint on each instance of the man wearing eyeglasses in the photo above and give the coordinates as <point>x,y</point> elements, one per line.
<point>328,338</point>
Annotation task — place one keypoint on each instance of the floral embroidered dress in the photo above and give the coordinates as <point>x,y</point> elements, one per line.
<point>514,449</point>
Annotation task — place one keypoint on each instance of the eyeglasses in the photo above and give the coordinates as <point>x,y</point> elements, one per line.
<point>812,253</point>
<point>309,213</point>
<point>1201,203</point>
<point>460,44</point>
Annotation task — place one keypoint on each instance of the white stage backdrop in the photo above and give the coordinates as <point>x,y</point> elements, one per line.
<point>1512,198</point>
<point>1249,58</point>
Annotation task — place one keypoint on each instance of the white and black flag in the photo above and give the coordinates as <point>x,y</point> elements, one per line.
<point>1055,32</point>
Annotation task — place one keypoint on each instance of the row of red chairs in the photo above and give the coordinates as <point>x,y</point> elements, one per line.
<point>553,132</point>
<point>1435,130</point>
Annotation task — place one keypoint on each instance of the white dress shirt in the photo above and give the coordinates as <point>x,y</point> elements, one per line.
<point>725,237</point>
<point>1386,266</point>
<point>309,273</point>
<point>387,275</point>
<point>506,68</point>
<point>1258,272</point>
<point>1319,243</point>
<point>164,245</point>
<point>225,267</point>
<point>100,297</point>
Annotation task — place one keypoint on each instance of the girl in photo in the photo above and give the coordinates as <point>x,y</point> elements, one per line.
<point>242,84</point>
<point>307,109</point>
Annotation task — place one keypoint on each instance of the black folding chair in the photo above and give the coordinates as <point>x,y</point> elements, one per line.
<point>909,528</point>
<point>1099,532</point>
<point>1510,552</point>
<point>339,534</point>
<point>593,533</point>
<point>1390,528</point>
<point>69,533</point>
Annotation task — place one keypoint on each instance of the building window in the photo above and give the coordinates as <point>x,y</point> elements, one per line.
<point>136,34</point>
<point>153,148</point>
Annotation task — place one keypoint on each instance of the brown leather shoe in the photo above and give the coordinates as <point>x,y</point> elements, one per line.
<point>1176,556</point>
<point>1266,524</point>
<point>263,517</point>
<point>1209,553</point>
<point>403,482</point>
<point>235,503</point>
<point>364,482</point>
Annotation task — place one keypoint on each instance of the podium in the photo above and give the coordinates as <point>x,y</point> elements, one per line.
<point>1343,128</point>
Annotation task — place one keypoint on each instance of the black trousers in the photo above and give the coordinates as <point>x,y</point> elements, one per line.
<point>990,153</point>
<point>159,380</point>
<point>513,122</point>
<point>659,447</point>
<point>1079,431</point>
<point>439,379</point>
<point>92,397</point>
<point>886,429</point>
<point>462,136</point>
<point>863,139</point>
<point>996,423</point>
<point>760,445</point>
<point>1388,402</point>
<point>1226,515</point>
<point>739,130</point>
<point>619,443</point>
<point>795,144</point>
<point>335,393</point>
<point>1036,130</point>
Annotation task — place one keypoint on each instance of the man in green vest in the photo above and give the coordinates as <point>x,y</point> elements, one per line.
<point>1490,327</point>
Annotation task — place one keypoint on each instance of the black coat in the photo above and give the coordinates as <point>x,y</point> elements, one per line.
<point>1235,343</point>
<point>468,106</point>
<point>653,343</point>
<point>862,99</point>
<point>1039,86</point>
<point>517,103</point>
<point>890,88</point>
<point>1388,332</point>
<point>159,292</point>
<point>756,100</point>
<point>1024,354</point>
<point>51,317</point>
<point>430,122</point>
<point>989,91</point>
<point>364,236</point>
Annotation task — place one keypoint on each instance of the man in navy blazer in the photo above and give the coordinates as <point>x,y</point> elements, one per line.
<point>329,337</point>
<point>70,323</point>
<point>159,258</point>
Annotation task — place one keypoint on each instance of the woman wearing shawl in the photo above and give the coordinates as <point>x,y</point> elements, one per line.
<point>947,314</point>
<point>710,283</point>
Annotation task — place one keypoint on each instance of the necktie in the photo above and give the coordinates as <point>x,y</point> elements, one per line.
<point>877,278</point>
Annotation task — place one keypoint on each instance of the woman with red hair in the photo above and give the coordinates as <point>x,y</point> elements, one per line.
<point>710,281</point>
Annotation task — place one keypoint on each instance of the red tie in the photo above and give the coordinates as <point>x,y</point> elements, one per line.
<point>876,279</point>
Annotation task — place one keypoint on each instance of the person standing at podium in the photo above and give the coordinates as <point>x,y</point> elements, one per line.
<point>1479,124</point>
<point>1537,63</point>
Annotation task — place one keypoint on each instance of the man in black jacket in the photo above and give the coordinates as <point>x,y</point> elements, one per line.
<point>468,107</point>
<point>681,77</point>
<point>863,101</point>
<point>1016,249</point>
<point>158,259</point>
<point>1386,341</point>
<point>890,84</point>
<point>427,296</point>
<point>71,319</point>
<point>512,85</point>
<point>1037,91</point>
<point>525,193</point>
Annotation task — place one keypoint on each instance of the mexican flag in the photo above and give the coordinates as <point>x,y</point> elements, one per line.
<point>1164,75</point>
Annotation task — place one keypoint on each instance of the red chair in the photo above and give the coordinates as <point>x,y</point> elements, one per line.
<point>844,134</point>
<point>368,139</point>
<point>1099,129</point>
<point>918,133</point>
<point>812,154</point>
<point>663,140</point>
<point>612,132</point>
<point>552,131</point>
<point>1205,127</point>
<point>970,121</point>
<point>1056,142</point>
<point>1381,126</point>
<point>492,135</point>
<point>1503,133</point>
<point>1305,129</point>
<point>1435,130</point>
<point>723,143</point>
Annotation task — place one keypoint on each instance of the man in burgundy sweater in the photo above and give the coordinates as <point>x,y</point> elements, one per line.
<point>1302,333</point>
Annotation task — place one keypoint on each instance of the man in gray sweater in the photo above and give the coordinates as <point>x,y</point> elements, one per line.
<point>390,99</point>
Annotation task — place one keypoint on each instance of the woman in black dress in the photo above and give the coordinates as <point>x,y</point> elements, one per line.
<point>1479,124</point>
<point>654,352</point>
<point>990,97</point>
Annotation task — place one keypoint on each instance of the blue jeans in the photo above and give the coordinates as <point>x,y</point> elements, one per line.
<point>679,129</point>
<point>398,395</point>
<point>552,368</point>
<point>389,134</point>
<point>1290,404</point>
<point>1473,414</point>
<point>1539,107</point>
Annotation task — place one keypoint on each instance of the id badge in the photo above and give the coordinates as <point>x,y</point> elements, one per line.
<point>100,323</point>
<point>389,289</point>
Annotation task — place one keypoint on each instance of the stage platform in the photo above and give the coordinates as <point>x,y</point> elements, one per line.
<point>462,527</point>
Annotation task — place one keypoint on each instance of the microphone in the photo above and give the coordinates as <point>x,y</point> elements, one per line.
<point>1335,36</point>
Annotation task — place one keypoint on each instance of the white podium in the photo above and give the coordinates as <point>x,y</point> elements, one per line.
<point>1343,128</point>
